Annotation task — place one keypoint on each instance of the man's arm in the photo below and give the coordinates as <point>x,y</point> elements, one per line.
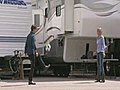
<point>26,47</point>
<point>33,47</point>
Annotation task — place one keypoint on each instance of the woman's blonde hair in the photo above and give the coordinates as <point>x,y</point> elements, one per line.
<point>100,30</point>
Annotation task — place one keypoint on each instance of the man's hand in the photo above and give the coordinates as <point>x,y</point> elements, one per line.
<point>36,52</point>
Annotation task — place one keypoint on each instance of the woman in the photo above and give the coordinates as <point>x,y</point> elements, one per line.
<point>100,56</point>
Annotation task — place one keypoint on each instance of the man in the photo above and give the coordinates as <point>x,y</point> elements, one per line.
<point>100,56</point>
<point>30,50</point>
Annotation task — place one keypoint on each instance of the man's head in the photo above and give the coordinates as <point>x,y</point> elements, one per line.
<point>34,29</point>
<point>99,31</point>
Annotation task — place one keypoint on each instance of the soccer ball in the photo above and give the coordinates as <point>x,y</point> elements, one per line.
<point>48,47</point>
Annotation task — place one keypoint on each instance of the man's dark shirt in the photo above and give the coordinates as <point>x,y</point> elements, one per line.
<point>30,46</point>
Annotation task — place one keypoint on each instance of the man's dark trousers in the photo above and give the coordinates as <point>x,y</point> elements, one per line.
<point>32,59</point>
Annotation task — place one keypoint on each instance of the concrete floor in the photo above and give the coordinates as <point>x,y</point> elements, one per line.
<point>52,83</point>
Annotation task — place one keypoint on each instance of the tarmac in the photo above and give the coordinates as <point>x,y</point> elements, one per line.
<point>58,83</point>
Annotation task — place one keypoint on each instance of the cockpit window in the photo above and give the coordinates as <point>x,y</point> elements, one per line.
<point>62,2</point>
<point>52,4</point>
<point>76,1</point>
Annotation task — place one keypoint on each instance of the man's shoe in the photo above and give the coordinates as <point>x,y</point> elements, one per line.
<point>30,83</point>
<point>97,81</point>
